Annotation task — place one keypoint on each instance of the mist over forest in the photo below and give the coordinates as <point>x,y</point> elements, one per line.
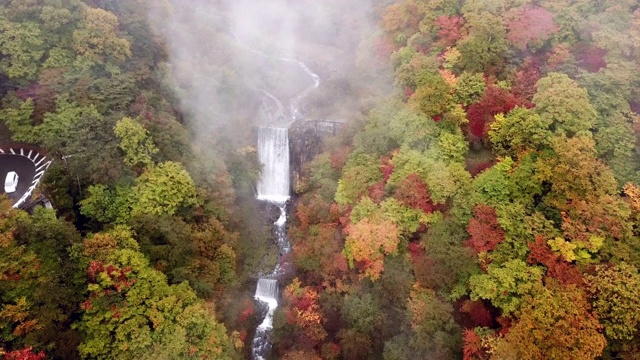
<point>307,180</point>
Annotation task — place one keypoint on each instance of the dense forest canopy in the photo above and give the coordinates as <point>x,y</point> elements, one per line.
<point>481,199</point>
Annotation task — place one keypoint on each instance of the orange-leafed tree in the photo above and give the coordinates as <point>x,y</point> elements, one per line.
<point>301,355</point>
<point>556,323</point>
<point>473,348</point>
<point>302,310</point>
<point>368,242</point>
<point>21,274</point>
<point>317,253</point>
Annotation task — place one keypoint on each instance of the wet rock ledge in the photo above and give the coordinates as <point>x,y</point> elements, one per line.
<point>305,142</point>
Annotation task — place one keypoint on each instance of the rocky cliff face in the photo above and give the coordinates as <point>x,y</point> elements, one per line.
<point>305,142</point>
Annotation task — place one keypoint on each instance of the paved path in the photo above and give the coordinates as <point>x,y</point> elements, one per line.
<point>30,167</point>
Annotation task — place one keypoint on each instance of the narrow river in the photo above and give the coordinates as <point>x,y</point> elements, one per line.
<point>274,187</point>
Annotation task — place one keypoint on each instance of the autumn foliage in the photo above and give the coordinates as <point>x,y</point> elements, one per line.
<point>484,229</point>
<point>530,26</point>
<point>303,311</point>
<point>414,193</point>
<point>478,313</point>
<point>494,101</point>
<point>473,348</point>
<point>24,354</point>
<point>450,30</point>
<point>557,267</point>
<point>368,243</point>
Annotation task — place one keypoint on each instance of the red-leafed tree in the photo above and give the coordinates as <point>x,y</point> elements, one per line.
<point>478,313</point>
<point>484,229</point>
<point>384,49</point>
<point>414,193</point>
<point>450,29</point>
<point>377,191</point>
<point>494,101</point>
<point>387,168</point>
<point>477,168</point>
<point>423,266</point>
<point>524,84</point>
<point>317,253</point>
<point>529,27</point>
<point>590,57</point>
<point>314,210</point>
<point>557,267</point>
<point>339,157</point>
<point>24,354</point>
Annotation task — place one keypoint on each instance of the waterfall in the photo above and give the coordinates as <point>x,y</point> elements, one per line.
<point>273,150</point>
<point>273,187</point>
<point>267,289</point>
<point>267,292</point>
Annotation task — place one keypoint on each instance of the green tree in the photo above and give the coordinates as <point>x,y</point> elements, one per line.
<point>58,128</point>
<point>96,38</point>
<point>360,172</point>
<point>469,88</point>
<point>506,285</point>
<point>615,291</point>
<point>435,331</point>
<point>413,129</point>
<point>486,47</point>
<point>107,205</point>
<point>563,104</point>
<point>136,142</point>
<point>452,146</point>
<point>56,300</point>
<point>21,45</point>
<point>363,313</point>
<point>433,95</point>
<point>444,179</point>
<point>518,131</point>
<point>574,172</point>
<point>163,189</point>
<point>16,115</point>
<point>132,313</point>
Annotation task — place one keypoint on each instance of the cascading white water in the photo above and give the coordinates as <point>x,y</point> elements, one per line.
<point>267,292</point>
<point>273,150</point>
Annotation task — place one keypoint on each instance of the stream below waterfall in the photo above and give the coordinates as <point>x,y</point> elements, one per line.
<point>274,188</point>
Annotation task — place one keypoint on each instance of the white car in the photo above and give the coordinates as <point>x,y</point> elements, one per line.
<point>11,182</point>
